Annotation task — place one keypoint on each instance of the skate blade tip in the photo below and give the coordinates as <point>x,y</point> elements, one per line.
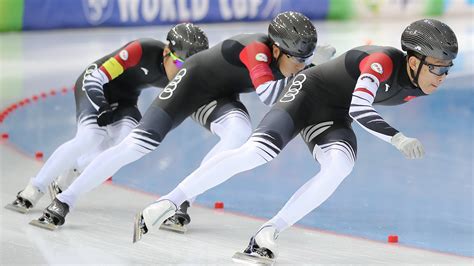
<point>16,208</point>
<point>241,257</point>
<point>174,228</point>
<point>137,236</point>
<point>43,225</point>
<point>137,233</point>
<point>135,240</point>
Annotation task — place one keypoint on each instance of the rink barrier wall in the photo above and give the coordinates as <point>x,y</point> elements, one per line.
<point>56,14</point>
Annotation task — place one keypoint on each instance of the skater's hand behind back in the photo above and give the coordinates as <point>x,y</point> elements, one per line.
<point>105,116</point>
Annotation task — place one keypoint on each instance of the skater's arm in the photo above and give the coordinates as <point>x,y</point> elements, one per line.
<point>377,68</point>
<point>374,69</point>
<point>269,91</point>
<point>94,82</point>
<point>257,57</point>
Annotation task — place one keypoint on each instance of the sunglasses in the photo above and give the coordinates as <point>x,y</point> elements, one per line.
<point>438,70</point>
<point>178,62</point>
<point>300,60</point>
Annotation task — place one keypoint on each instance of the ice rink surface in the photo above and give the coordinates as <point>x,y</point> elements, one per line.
<point>427,203</point>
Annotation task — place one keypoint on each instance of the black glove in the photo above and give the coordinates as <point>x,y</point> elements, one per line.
<point>105,116</point>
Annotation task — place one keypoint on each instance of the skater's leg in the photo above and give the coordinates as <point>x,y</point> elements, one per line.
<point>66,178</point>
<point>228,119</point>
<point>64,157</point>
<point>86,159</point>
<point>88,136</point>
<point>125,120</point>
<point>213,172</point>
<point>334,146</point>
<point>145,138</point>
<point>335,166</point>
<point>233,129</point>
<point>102,167</point>
<point>116,133</point>
<point>120,130</point>
<point>336,152</point>
<point>233,132</point>
<point>273,133</point>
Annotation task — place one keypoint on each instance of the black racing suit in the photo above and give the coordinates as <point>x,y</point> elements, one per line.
<point>321,102</point>
<point>125,72</point>
<point>217,76</point>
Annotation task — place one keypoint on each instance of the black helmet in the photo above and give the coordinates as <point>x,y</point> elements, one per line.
<point>186,39</point>
<point>293,33</point>
<point>430,37</point>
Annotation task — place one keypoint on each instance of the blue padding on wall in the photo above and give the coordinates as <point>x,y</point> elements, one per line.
<point>50,14</point>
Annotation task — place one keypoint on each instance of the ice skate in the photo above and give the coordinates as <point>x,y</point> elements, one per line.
<point>177,222</point>
<point>153,215</point>
<point>25,199</point>
<point>53,216</point>
<point>262,248</point>
<point>62,183</point>
<point>54,190</point>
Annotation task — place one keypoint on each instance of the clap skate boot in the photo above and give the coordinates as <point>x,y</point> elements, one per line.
<point>152,217</point>
<point>262,248</point>
<point>53,216</point>
<point>25,199</point>
<point>177,222</point>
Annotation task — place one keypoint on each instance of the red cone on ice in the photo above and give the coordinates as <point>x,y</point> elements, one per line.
<point>39,155</point>
<point>392,239</point>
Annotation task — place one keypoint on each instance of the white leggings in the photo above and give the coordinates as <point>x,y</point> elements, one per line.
<point>216,170</point>
<point>233,131</point>
<point>336,164</point>
<point>117,132</point>
<point>79,151</point>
